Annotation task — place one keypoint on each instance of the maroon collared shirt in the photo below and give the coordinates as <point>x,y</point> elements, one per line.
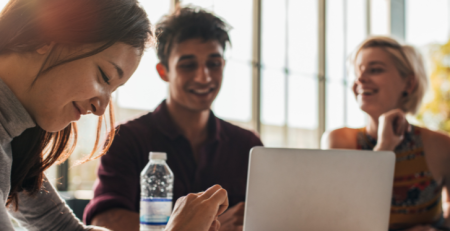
<point>223,160</point>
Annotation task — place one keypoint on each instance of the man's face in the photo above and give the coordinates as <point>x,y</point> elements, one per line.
<point>195,69</point>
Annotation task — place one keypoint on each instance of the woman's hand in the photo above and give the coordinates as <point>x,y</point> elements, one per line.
<point>392,126</point>
<point>199,211</point>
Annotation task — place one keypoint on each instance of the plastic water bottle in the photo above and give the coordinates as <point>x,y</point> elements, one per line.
<point>156,193</point>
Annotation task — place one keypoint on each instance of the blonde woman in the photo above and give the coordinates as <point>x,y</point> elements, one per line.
<point>390,83</point>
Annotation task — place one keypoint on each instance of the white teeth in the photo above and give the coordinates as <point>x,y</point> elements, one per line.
<point>366,91</point>
<point>201,91</point>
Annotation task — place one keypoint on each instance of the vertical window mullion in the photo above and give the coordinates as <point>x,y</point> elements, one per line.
<point>368,17</point>
<point>398,19</point>
<point>345,77</point>
<point>322,69</point>
<point>286,78</point>
<point>256,69</point>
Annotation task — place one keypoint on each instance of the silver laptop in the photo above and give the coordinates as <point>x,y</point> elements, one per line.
<point>318,190</point>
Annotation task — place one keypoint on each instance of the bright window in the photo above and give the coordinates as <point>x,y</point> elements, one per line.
<point>289,73</point>
<point>145,90</point>
<point>234,102</point>
<point>3,3</point>
<point>427,22</point>
<point>346,29</point>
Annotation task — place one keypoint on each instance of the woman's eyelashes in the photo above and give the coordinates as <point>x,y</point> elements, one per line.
<point>376,70</point>
<point>104,77</point>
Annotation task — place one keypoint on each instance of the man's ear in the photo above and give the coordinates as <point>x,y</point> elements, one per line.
<point>45,48</point>
<point>162,71</point>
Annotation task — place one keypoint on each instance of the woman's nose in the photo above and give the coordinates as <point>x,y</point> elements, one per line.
<point>361,77</point>
<point>99,104</point>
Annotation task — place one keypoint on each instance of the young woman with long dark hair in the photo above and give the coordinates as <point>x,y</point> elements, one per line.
<point>59,60</point>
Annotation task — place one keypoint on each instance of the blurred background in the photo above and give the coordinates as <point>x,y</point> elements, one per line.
<point>287,75</point>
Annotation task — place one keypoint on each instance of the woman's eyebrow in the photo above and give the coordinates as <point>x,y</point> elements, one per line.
<point>377,62</point>
<point>118,69</point>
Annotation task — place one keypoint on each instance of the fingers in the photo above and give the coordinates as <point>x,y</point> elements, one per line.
<point>209,192</point>
<point>217,195</point>
<point>239,220</point>
<point>240,212</point>
<point>402,125</point>
<point>405,125</point>
<point>398,125</point>
<point>220,197</point>
<point>215,226</point>
<point>240,208</point>
<point>178,203</point>
<point>397,119</point>
<point>394,113</point>
<point>240,205</point>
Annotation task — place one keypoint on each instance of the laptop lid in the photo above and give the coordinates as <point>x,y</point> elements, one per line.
<point>318,190</point>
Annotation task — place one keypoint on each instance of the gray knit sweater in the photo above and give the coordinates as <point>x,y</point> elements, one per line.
<point>44,211</point>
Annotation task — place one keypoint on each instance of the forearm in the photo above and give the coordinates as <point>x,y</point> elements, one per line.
<point>46,211</point>
<point>117,220</point>
<point>99,229</point>
<point>385,146</point>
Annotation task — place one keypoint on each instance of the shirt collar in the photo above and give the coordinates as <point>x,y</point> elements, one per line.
<point>166,125</point>
<point>13,116</point>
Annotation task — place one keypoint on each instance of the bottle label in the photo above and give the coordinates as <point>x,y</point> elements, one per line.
<point>155,211</point>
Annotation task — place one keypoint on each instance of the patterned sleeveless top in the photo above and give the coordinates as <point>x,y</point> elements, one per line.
<point>416,195</point>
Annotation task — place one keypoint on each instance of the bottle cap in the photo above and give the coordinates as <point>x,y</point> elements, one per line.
<point>158,156</point>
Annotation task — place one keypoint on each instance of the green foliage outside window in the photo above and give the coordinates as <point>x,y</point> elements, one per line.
<point>435,112</point>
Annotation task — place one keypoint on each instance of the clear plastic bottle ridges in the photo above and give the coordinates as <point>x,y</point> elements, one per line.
<point>156,193</point>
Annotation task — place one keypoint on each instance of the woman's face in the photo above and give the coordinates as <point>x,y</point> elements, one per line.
<point>83,86</point>
<point>378,86</point>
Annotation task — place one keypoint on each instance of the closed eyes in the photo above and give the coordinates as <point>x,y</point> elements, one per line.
<point>105,78</point>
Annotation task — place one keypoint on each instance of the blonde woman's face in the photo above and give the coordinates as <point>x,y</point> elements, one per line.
<point>378,86</point>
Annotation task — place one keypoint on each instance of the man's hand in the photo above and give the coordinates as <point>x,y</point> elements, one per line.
<point>199,211</point>
<point>233,218</point>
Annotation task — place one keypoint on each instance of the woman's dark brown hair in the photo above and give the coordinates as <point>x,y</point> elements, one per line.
<point>26,25</point>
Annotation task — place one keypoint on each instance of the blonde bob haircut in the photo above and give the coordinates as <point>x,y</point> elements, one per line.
<point>409,64</point>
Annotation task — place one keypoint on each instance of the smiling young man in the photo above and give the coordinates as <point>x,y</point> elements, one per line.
<point>202,149</point>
